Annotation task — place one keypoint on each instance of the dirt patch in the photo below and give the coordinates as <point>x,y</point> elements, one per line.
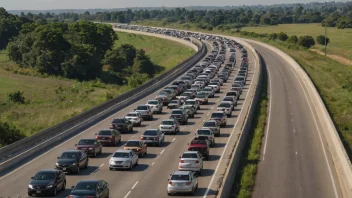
<point>339,59</point>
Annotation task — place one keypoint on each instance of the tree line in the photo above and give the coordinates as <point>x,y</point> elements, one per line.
<point>334,14</point>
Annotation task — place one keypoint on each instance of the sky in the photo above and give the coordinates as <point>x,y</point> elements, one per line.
<point>89,4</point>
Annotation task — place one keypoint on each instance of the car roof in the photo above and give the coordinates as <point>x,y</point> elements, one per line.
<point>48,170</point>
<point>228,102</point>
<point>106,129</point>
<point>204,128</point>
<point>123,151</point>
<point>181,172</point>
<point>72,151</point>
<point>218,112</point>
<point>87,139</point>
<point>89,181</point>
<point>190,152</point>
<point>168,120</point>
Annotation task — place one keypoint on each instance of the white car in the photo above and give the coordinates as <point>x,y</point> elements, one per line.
<point>226,107</point>
<point>191,161</point>
<point>169,126</point>
<point>155,105</point>
<point>135,118</point>
<point>207,132</point>
<point>182,182</point>
<point>174,104</point>
<point>123,159</point>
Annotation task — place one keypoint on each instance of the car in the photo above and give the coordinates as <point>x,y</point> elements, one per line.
<point>226,107</point>
<point>72,161</point>
<point>108,137</point>
<point>153,136</point>
<point>215,86</point>
<point>155,105</point>
<point>233,93</point>
<point>47,182</point>
<point>164,97</point>
<point>123,125</point>
<point>202,146</point>
<point>90,146</point>
<point>194,103</point>
<point>90,188</point>
<point>230,99</point>
<point>214,126</point>
<point>208,133</point>
<point>174,104</point>
<point>138,146</point>
<point>220,117</point>
<point>191,161</point>
<point>182,182</point>
<point>169,126</point>
<point>193,93</point>
<point>184,96</point>
<point>190,110</point>
<point>209,90</point>
<point>180,115</point>
<point>145,112</point>
<point>123,159</point>
<point>202,97</point>
<point>135,118</point>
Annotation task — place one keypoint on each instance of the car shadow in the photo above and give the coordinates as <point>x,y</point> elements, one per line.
<point>224,135</point>
<point>236,109</point>
<point>216,97</point>
<point>190,123</point>
<point>183,133</point>
<point>64,193</point>
<point>228,126</point>
<point>89,170</point>
<point>219,145</point>
<point>210,103</point>
<point>140,168</point>
<point>164,144</point>
<point>206,173</point>
<point>196,117</point>
<point>213,158</point>
<point>149,156</point>
<point>200,113</point>
<point>201,192</point>
<point>103,155</point>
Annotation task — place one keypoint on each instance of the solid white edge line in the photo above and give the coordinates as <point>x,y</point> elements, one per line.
<point>319,133</point>
<point>153,163</point>
<point>173,140</point>
<point>129,192</point>
<point>227,143</point>
<point>162,151</point>
<point>134,185</point>
<point>269,114</point>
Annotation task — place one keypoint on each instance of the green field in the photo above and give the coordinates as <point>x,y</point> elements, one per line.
<point>341,42</point>
<point>51,100</point>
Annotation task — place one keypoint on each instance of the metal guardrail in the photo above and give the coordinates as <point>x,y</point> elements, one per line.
<point>13,155</point>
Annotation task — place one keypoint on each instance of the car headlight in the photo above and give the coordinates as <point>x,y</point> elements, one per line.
<point>111,162</point>
<point>30,186</point>
<point>74,164</point>
<point>57,164</point>
<point>50,184</point>
<point>127,161</point>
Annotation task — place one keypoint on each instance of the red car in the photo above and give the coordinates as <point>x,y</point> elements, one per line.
<point>201,146</point>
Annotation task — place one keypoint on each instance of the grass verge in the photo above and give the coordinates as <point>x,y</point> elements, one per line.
<point>246,173</point>
<point>331,78</point>
<point>51,100</point>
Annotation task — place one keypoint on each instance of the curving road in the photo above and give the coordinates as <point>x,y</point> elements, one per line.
<point>149,178</point>
<point>295,160</point>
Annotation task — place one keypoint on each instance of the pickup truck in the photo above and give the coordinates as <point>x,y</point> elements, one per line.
<point>201,146</point>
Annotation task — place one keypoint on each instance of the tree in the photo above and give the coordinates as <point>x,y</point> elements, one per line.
<point>282,36</point>
<point>306,41</point>
<point>9,134</point>
<point>293,39</point>
<point>142,64</point>
<point>321,40</point>
<point>16,97</point>
<point>116,60</point>
<point>127,51</point>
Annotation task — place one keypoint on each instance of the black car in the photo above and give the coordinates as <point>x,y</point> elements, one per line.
<point>72,161</point>
<point>122,125</point>
<point>47,182</point>
<point>91,146</point>
<point>90,188</point>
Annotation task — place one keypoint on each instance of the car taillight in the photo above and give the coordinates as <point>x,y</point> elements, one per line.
<point>76,148</point>
<point>142,138</point>
<point>188,183</point>
<point>89,196</point>
<point>227,109</point>
<point>197,161</point>
<point>97,137</point>
<point>155,138</point>
<point>90,148</point>
<point>170,182</point>
<point>110,137</point>
<point>70,196</point>
<point>181,161</point>
<point>139,149</point>
<point>180,116</point>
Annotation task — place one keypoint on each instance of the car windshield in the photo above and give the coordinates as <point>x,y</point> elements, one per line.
<point>118,121</point>
<point>227,105</point>
<point>217,115</point>
<point>150,132</point>
<point>198,142</point>
<point>189,155</point>
<point>203,132</point>
<point>142,108</point>
<point>69,155</point>
<point>104,133</point>
<point>174,101</point>
<point>176,112</point>
<point>200,95</point>
<point>209,124</point>
<point>44,176</point>
<point>121,154</point>
<point>86,142</point>
<point>162,96</point>
<point>167,122</point>
<point>191,102</point>
<point>131,115</point>
<point>91,186</point>
<point>180,177</point>
<point>153,102</point>
<point>186,94</point>
<point>207,89</point>
<point>132,143</point>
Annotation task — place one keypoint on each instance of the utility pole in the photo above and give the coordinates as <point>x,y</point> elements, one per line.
<point>326,29</point>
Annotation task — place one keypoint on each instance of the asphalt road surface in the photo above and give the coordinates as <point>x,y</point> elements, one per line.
<point>295,161</point>
<point>149,178</point>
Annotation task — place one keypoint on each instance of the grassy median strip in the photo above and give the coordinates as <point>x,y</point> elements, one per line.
<point>246,174</point>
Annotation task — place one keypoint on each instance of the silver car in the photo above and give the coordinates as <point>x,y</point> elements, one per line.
<point>182,182</point>
<point>170,126</point>
<point>174,104</point>
<point>123,159</point>
<point>226,107</point>
<point>189,109</point>
<point>208,133</point>
<point>135,118</point>
<point>191,161</point>
<point>145,112</point>
<point>194,103</point>
<point>155,106</point>
<point>214,126</point>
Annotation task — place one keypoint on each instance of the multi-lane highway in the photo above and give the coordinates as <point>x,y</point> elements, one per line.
<point>295,161</point>
<point>149,178</point>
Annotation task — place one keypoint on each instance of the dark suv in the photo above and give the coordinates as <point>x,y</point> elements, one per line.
<point>72,161</point>
<point>108,137</point>
<point>180,115</point>
<point>47,182</point>
<point>122,125</point>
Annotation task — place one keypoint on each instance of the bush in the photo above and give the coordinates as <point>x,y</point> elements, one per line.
<point>293,39</point>
<point>137,79</point>
<point>9,134</point>
<point>210,28</point>
<point>16,97</point>
<point>273,36</point>
<point>282,36</point>
<point>306,41</point>
<point>321,40</point>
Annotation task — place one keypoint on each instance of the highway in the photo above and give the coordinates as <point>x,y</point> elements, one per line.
<point>149,178</point>
<point>295,161</point>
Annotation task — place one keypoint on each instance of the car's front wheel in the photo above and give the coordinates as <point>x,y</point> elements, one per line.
<point>54,193</point>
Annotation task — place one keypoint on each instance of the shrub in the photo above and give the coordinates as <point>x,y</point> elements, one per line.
<point>293,39</point>
<point>321,40</point>
<point>9,134</point>
<point>16,97</point>
<point>273,36</point>
<point>282,36</point>
<point>210,28</point>
<point>306,41</point>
